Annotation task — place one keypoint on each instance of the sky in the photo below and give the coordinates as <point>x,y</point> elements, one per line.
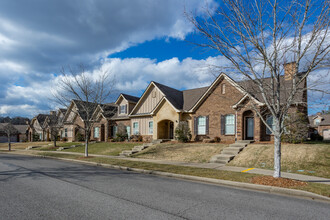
<point>138,41</point>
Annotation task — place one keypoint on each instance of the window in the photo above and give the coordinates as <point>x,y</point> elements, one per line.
<point>223,88</point>
<point>128,130</point>
<point>114,131</point>
<point>317,121</point>
<point>135,127</point>
<point>270,122</point>
<point>230,124</point>
<point>96,132</point>
<point>66,132</point>
<point>122,109</point>
<point>201,125</point>
<point>151,127</point>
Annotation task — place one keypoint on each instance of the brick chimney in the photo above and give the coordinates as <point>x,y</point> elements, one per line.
<point>289,70</point>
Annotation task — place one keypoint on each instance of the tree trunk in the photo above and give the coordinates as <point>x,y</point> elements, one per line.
<point>54,141</point>
<point>277,155</point>
<point>9,144</point>
<point>86,144</point>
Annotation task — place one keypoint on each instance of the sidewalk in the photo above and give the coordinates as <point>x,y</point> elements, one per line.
<point>209,166</point>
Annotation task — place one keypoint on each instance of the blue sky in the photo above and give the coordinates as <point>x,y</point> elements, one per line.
<point>139,41</point>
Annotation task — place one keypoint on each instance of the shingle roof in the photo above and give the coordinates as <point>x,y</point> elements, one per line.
<point>21,128</point>
<point>286,85</point>
<point>41,118</point>
<point>109,110</point>
<point>131,98</point>
<point>85,108</point>
<point>191,96</point>
<point>63,110</point>
<point>325,120</point>
<point>175,97</point>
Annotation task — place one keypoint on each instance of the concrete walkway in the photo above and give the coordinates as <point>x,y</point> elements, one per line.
<point>209,166</point>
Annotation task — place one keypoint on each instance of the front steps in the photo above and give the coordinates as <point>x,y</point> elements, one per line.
<point>135,150</point>
<point>228,153</point>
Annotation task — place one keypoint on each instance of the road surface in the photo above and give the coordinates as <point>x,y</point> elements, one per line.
<point>38,188</point>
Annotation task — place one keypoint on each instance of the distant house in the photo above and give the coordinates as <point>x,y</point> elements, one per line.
<point>320,124</point>
<point>73,120</point>
<point>36,131</point>
<point>20,136</point>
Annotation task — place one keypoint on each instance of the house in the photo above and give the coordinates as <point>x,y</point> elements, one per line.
<point>320,124</point>
<point>221,110</point>
<point>103,122</point>
<point>19,136</point>
<point>52,125</point>
<point>73,120</point>
<point>36,130</point>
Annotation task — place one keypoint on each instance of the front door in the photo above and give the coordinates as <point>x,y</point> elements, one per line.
<point>249,128</point>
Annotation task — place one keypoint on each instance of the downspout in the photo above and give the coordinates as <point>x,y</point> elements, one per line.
<point>236,125</point>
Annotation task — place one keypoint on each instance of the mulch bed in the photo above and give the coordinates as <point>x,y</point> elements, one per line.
<point>280,182</point>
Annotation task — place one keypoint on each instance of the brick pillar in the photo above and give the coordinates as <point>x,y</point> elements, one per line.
<point>106,131</point>
<point>257,128</point>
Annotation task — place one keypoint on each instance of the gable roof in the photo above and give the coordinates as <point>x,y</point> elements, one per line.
<point>174,96</point>
<point>40,118</point>
<point>129,98</point>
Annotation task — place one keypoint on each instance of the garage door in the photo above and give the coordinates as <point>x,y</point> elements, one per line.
<point>326,134</point>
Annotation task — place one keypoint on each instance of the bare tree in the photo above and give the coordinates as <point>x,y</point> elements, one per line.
<point>10,130</point>
<point>258,38</point>
<point>54,126</point>
<point>87,90</point>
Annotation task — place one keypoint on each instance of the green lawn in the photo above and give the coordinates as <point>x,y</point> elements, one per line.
<point>311,158</point>
<point>104,148</point>
<point>318,188</point>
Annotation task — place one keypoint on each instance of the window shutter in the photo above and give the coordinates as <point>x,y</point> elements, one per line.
<point>234,124</point>
<point>126,109</point>
<point>195,125</point>
<point>111,131</point>
<point>222,124</point>
<point>207,125</point>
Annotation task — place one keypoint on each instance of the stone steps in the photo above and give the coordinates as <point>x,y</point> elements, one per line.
<point>135,149</point>
<point>229,153</point>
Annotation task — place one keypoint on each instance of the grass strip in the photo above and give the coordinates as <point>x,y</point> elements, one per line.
<point>318,188</point>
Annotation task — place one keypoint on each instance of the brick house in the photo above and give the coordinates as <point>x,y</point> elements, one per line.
<point>221,110</point>
<point>73,120</point>
<point>102,127</point>
<point>36,129</point>
<point>320,124</point>
<point>21,133</point>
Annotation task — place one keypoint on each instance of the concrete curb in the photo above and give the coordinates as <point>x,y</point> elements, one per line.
<point>250,186</point>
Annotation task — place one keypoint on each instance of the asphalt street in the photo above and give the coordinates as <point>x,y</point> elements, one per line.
<point>38,188</point>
